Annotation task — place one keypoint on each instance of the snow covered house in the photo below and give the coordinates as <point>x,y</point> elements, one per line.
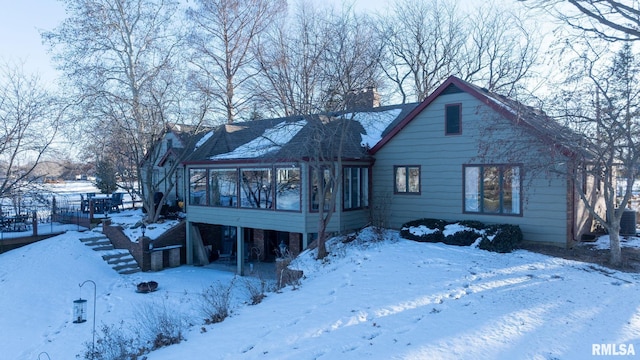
<point>257,185</point>
<point>463,153</point>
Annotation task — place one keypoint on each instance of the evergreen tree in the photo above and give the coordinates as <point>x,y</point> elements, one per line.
<point>106,177</point>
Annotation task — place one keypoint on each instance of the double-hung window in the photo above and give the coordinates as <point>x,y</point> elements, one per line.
<point>407,179</point>
<point>493,189</point>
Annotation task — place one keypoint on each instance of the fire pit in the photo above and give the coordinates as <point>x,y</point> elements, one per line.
<point>147,287</point>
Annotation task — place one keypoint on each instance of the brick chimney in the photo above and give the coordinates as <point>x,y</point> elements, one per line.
<point>366,98</point>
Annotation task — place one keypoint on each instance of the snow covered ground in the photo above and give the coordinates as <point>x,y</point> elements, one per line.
<point>389,299</point>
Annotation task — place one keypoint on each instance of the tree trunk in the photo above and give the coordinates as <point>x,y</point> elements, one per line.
<point>322,246</point>
<point>614,244</point>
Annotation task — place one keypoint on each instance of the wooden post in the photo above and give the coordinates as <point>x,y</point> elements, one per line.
<point>240,250</point>
<point>34,223</point>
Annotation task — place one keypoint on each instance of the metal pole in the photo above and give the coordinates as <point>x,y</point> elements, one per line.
<point>93,348</point>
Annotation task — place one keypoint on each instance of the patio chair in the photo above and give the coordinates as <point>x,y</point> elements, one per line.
<point>227,252</point>
<point>84,204</point>
<point>116,201</point>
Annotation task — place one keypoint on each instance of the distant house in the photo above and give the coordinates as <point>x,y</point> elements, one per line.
<point>252,186</point>
<point>177,141</point>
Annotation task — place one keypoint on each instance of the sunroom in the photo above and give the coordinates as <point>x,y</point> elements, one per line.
<point>268,209</point>
<point>259,189</point>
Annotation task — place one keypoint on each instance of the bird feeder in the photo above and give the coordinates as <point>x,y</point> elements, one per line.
<point>79,311</point>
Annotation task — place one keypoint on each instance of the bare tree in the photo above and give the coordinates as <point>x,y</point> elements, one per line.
<point>594,139</point>
<point>424,41</point>
<point>351,62</point>
<point>324,142</point>
<point>604,106</point>
<point>427,41</point>
<point>314,58</point>
<point>121,57</point>
<point>290,61</point>
<point>222,35</point>
<point>501,50</point>
<point>610,20</point>
<point>601,96</point>
<point>30,119</point>
<point>325,167</point>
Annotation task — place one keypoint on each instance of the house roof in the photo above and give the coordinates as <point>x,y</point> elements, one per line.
<point>189,137</point>
<point>299,137</point>
<point>536,121</point>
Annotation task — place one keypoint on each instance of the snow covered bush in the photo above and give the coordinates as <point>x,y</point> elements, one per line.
<point>502,238</point>
<point>424,230</point>
<point>463,233</point>
<point>497,238</point>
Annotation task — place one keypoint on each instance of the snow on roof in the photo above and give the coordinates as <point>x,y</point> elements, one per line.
<point>374,124</point>
<point>271,140</point>
<point>204,139</point>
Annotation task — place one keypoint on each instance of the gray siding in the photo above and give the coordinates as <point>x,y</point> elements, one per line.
<point>249,218</point>
<point>422,142</point>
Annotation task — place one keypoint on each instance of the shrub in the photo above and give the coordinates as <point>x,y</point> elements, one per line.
<point>436,225</point>
<point>462,238</point>
<point>257,290</point>
<point>501,238</point>
<point>113,344</point>
<point>160,326</point>
<point>474,224</point>
<point>467,233</point>
<point>216,301</point>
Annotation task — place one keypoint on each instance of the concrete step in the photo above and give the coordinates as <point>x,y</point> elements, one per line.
<point>126,266</point>
<point>120,260</point>
<point>93,238</point>
<point>102,248</point>
<point>98,242</point>
<point>130,271</point>
<point>123,261</point>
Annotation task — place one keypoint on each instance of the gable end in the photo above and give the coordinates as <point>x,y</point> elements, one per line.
<point>451,89</point>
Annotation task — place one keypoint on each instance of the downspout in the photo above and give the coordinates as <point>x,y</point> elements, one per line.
<point>573,230</point>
